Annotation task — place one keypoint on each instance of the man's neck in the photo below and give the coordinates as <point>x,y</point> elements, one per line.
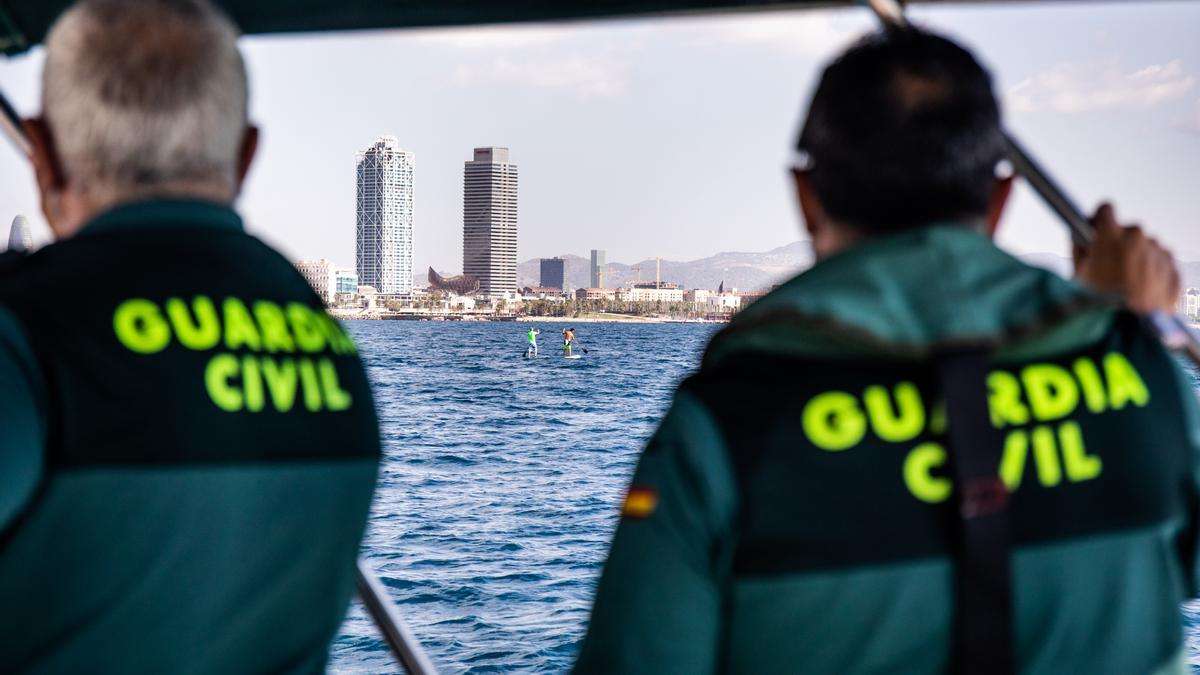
<point>75,209</point>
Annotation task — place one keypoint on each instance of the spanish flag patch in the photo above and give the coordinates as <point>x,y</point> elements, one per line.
<point>640,502</point>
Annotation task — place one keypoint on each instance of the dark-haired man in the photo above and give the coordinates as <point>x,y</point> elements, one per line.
<point>799,510</point>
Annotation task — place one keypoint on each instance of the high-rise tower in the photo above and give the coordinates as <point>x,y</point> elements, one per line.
<point>553,274</point>
<point>598,271</point>
<point>490,221</point>
<point>384,228</point>
<point>20,238</point>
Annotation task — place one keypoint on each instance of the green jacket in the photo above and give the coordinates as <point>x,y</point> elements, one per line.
<point>793,512</point>
<point>188,449</point>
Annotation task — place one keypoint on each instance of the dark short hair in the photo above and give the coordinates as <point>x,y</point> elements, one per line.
<point>903,131</point>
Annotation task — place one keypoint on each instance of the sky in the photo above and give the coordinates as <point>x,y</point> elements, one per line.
<point>671,137</point>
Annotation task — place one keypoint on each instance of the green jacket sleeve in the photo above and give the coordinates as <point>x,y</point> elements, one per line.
<point>659,604</point>
<point>1191,413</point>
<point>22,426</point>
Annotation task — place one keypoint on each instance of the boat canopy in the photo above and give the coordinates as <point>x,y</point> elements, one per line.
<point>23,23</point>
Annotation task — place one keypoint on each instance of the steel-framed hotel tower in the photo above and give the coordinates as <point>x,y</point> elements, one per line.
<point>384,223</point>
<point>490,221</point>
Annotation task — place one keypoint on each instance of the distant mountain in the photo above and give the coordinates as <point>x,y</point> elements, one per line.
<point>744,271</point>
<point>747,271</point>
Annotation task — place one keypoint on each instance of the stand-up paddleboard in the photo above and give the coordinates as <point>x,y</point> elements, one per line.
<point>574,356</point>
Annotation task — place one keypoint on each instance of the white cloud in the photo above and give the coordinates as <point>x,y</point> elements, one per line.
<point>1086,87</point>
<point>596,76</point>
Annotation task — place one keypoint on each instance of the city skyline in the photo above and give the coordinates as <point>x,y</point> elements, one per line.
<point>683,127</point>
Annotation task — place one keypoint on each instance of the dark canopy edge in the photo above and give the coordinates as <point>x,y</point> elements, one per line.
<point>23,23</point>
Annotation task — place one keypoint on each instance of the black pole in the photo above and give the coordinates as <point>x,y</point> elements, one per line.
<point>1171,329</point>
<point>403,644</point>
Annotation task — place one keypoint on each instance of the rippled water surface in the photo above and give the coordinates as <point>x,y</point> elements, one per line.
<point>501,481</point>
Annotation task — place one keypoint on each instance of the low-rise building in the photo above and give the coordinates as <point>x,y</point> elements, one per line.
<point>541,292</point>
<point>723,302</point>
<point>651,291</point>
<point>345,281</point>
<point>320,275</point>
<point>595,294</point>
<point>1189,303</point>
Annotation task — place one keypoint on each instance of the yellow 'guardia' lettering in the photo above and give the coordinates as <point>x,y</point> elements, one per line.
<point>201,334</point>
<point>140,326</point>
<point>1124,383</point>
<point>144,327</point>
<point>1038,394</point>
<point>1051,391</point>
<point>1004,400</point>
<point>833,421</point>
<point>246,381</point>
<point>902,424</point>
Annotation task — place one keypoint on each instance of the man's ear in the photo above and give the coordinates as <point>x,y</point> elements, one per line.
<point>1001,190</point>
<point>49,174</point>
<point>47,168</point>
<point>246,154</point>
<point>810,205</point>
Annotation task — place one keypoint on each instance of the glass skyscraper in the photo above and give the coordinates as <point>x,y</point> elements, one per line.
<point>490,221</point>
<point>384,227</point>
<point>553,273</point>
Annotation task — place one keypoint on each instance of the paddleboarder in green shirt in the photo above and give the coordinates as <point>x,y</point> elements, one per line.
<point>531,338</point>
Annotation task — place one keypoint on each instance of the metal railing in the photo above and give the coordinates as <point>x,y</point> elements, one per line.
<point>400,640</point>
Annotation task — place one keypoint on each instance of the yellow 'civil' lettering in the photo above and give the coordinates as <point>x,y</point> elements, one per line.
<point>918,476</point>
<point>336,398</point>
<point>217,375</point>
<point>899,425</point>
<point>204,332</point>
<point>1124,383</point>
<point>1004,400</point>
<point>239,327</point>
<point>1045,456</point>
<point>1012,462</point>
<point>833,421</point>
<point>141,327</point>
<point>1093,387</point>
<point>281,382</point>
<point>310,384</point>
<point>252,384</point>
<point>1079,465</point>
<point>1051,390</point>
<point>274,327</point>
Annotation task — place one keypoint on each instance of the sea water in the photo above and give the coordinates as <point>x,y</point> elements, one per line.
<point>501,482</point>
<point>502,479</point>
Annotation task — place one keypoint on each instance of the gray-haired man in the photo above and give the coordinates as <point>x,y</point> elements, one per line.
<point>188,444</point>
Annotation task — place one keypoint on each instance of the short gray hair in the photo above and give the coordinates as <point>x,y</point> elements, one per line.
<point>144,93</point>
